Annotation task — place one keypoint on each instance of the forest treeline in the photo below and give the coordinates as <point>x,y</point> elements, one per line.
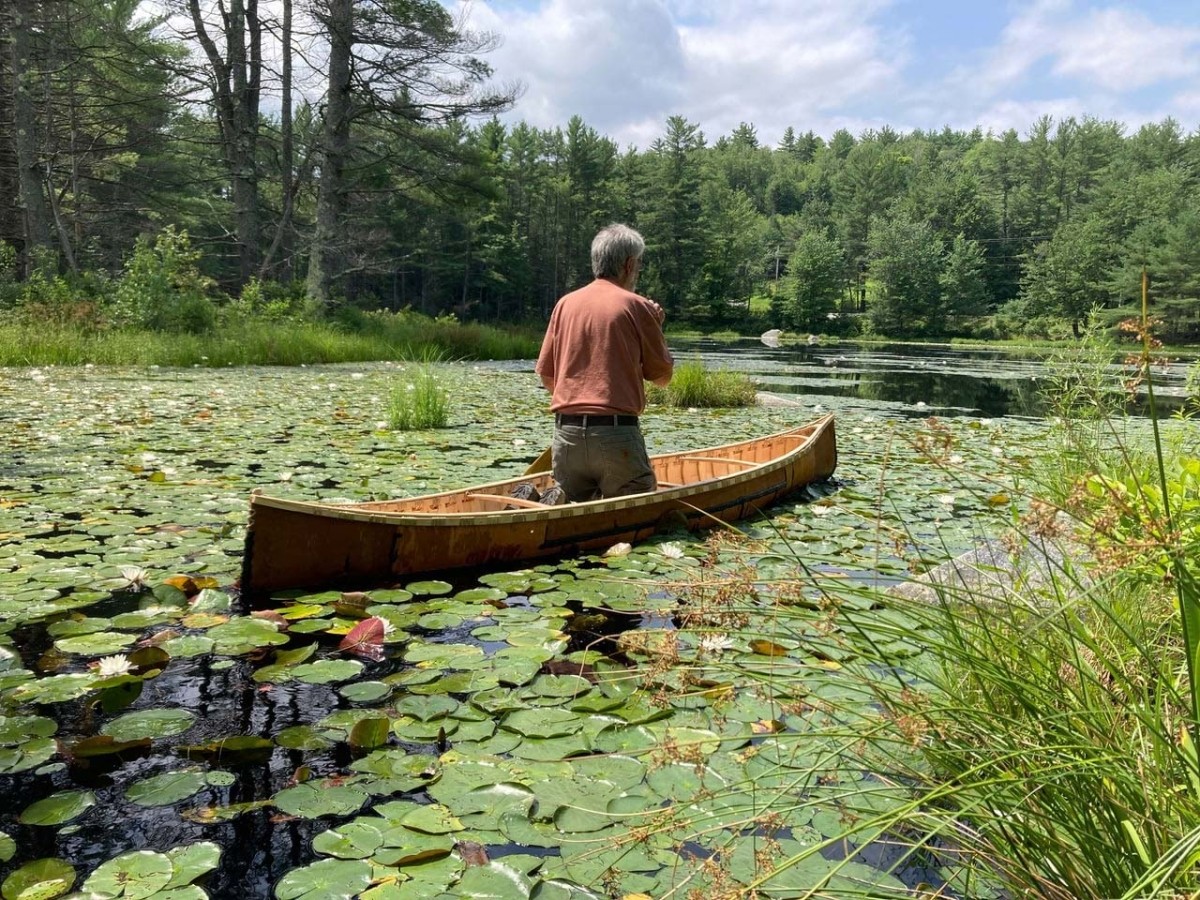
<point>161,163</point>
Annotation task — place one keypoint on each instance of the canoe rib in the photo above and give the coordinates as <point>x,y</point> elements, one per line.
<point>297,544</point>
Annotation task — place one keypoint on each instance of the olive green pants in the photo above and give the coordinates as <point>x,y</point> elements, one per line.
<point>601,461</point>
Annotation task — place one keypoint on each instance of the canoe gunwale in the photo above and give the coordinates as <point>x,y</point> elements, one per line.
<point>758,472</point>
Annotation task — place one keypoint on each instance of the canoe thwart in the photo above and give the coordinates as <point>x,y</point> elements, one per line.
<point>720,459</point>
<point>513,501</point>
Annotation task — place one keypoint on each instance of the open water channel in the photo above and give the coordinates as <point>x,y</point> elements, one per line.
<point>229,762</point>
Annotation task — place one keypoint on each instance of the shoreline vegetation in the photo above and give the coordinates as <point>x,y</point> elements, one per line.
<point>404,336</point>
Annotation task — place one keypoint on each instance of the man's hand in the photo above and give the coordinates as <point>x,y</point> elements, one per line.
<point>659,312</point>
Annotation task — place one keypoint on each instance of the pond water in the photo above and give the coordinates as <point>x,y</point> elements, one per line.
<point>950,381</point>
<point>611,725</point>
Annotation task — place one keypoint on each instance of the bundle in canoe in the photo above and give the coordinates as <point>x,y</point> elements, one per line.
<point>296,544</point>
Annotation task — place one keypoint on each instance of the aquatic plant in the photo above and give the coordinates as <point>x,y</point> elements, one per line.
<point>418,402</point>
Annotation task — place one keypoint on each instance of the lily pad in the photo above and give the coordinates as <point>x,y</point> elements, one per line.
<point>149,723</point>
<point>354,840</point>
<point>326,879</point>
<point>134,875</point>
<point>365,691</point>
<point>41,879</point>
<point>313,800</point>
<point>166,788</point>
<point>427,588</point>
<point>102,643</point>
<point>327,671</point>
<point>190,862</point>
<point>57,808</point>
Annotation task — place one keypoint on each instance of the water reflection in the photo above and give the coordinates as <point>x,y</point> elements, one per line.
<point>947,381</point>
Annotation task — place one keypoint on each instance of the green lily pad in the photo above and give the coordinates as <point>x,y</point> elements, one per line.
<point>427,708</point>
<point>189,645</point>
<point>365,691</point>
<point>433,819</point>
<point>57,808</point>
<point>427,588</point>
<point>54,689</point>
<point>327,671</point>
<point>18,729</point>
<point>326,879</point>
<point>243,634</point>
<point>543,723</point>
<point>191,862</point>
<point>8,847</point>
<point>303,737</point>
<point>28,756</point>
<point>134,875</point>
<point>312,800</point>
<point>149,723</point>
<point>354,840</point>
<point>166,788</point>
<point>495,881</point>
<point>480,595</point>
<point>41,879</point>
<point>101,643</point>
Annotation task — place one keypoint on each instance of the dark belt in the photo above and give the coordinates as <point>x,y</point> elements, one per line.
<point>589,421</point>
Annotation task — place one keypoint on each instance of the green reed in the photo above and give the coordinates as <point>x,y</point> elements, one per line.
<point>418,402</point>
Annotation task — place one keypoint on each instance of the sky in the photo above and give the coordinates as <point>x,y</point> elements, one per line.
<point>625,66</point>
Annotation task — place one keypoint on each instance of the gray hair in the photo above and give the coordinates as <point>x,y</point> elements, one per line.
<point>612,246</point>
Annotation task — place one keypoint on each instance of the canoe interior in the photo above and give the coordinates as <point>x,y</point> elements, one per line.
<point>295,544</point>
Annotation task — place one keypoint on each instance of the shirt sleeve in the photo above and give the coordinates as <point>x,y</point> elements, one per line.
<point>657,361</point>
<point>545,365</point>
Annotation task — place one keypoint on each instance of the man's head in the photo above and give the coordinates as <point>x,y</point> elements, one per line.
<point>617,253</point>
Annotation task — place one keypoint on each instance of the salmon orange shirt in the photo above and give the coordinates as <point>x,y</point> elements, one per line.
<point>602,343</point>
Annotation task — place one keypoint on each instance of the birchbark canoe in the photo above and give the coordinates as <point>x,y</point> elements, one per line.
<point>296,544</point>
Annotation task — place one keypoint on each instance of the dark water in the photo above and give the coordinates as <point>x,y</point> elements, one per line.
<point>925,380</point>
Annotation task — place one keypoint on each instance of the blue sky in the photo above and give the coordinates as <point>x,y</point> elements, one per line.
<point>626,65</point>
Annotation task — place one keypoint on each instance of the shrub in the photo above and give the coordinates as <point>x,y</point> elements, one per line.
<point>419,404</point>
<point>162,288</point>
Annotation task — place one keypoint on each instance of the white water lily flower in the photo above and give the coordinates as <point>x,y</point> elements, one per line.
<point>997,451</point>
<point>388,626</point>
<point>947,499</point>
<point>519,442</point>
<point>621,549</point>
<point>135,577</point>
<point>956,460</point>
<point>920,404</point>
<point>356,375</point>
<point>821,510</point>
<point>285,476</point>
<point>109,666</point>
<point>671,551</point>
<point>715,643</point>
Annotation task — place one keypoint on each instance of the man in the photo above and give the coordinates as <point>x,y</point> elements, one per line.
<point>602,343</point>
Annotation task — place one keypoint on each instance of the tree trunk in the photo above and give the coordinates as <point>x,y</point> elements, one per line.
<point>12,229</point>
<point>31,192</point>
<point>325,260</point>
<point>236,82</point>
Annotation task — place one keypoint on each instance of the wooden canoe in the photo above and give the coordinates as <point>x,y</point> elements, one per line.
<point>295,544</point>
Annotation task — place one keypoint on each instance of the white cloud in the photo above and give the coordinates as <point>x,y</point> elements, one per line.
<point>626,65</point>
<point>1122,51</point>
<point>1112,49</point>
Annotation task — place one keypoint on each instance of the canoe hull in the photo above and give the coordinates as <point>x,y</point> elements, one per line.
<point>291,544</point>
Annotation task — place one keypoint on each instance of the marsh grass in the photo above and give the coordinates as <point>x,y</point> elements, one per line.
<point>695,386</point>
<point>419,403</point>
<point>1025,734</point>
<point>255,342</point>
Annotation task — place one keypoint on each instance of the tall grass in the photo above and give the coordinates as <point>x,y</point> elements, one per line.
<point>255,342</point>
<point>693,385</point>
<point>419,403</point>
<point>1028,732</point>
